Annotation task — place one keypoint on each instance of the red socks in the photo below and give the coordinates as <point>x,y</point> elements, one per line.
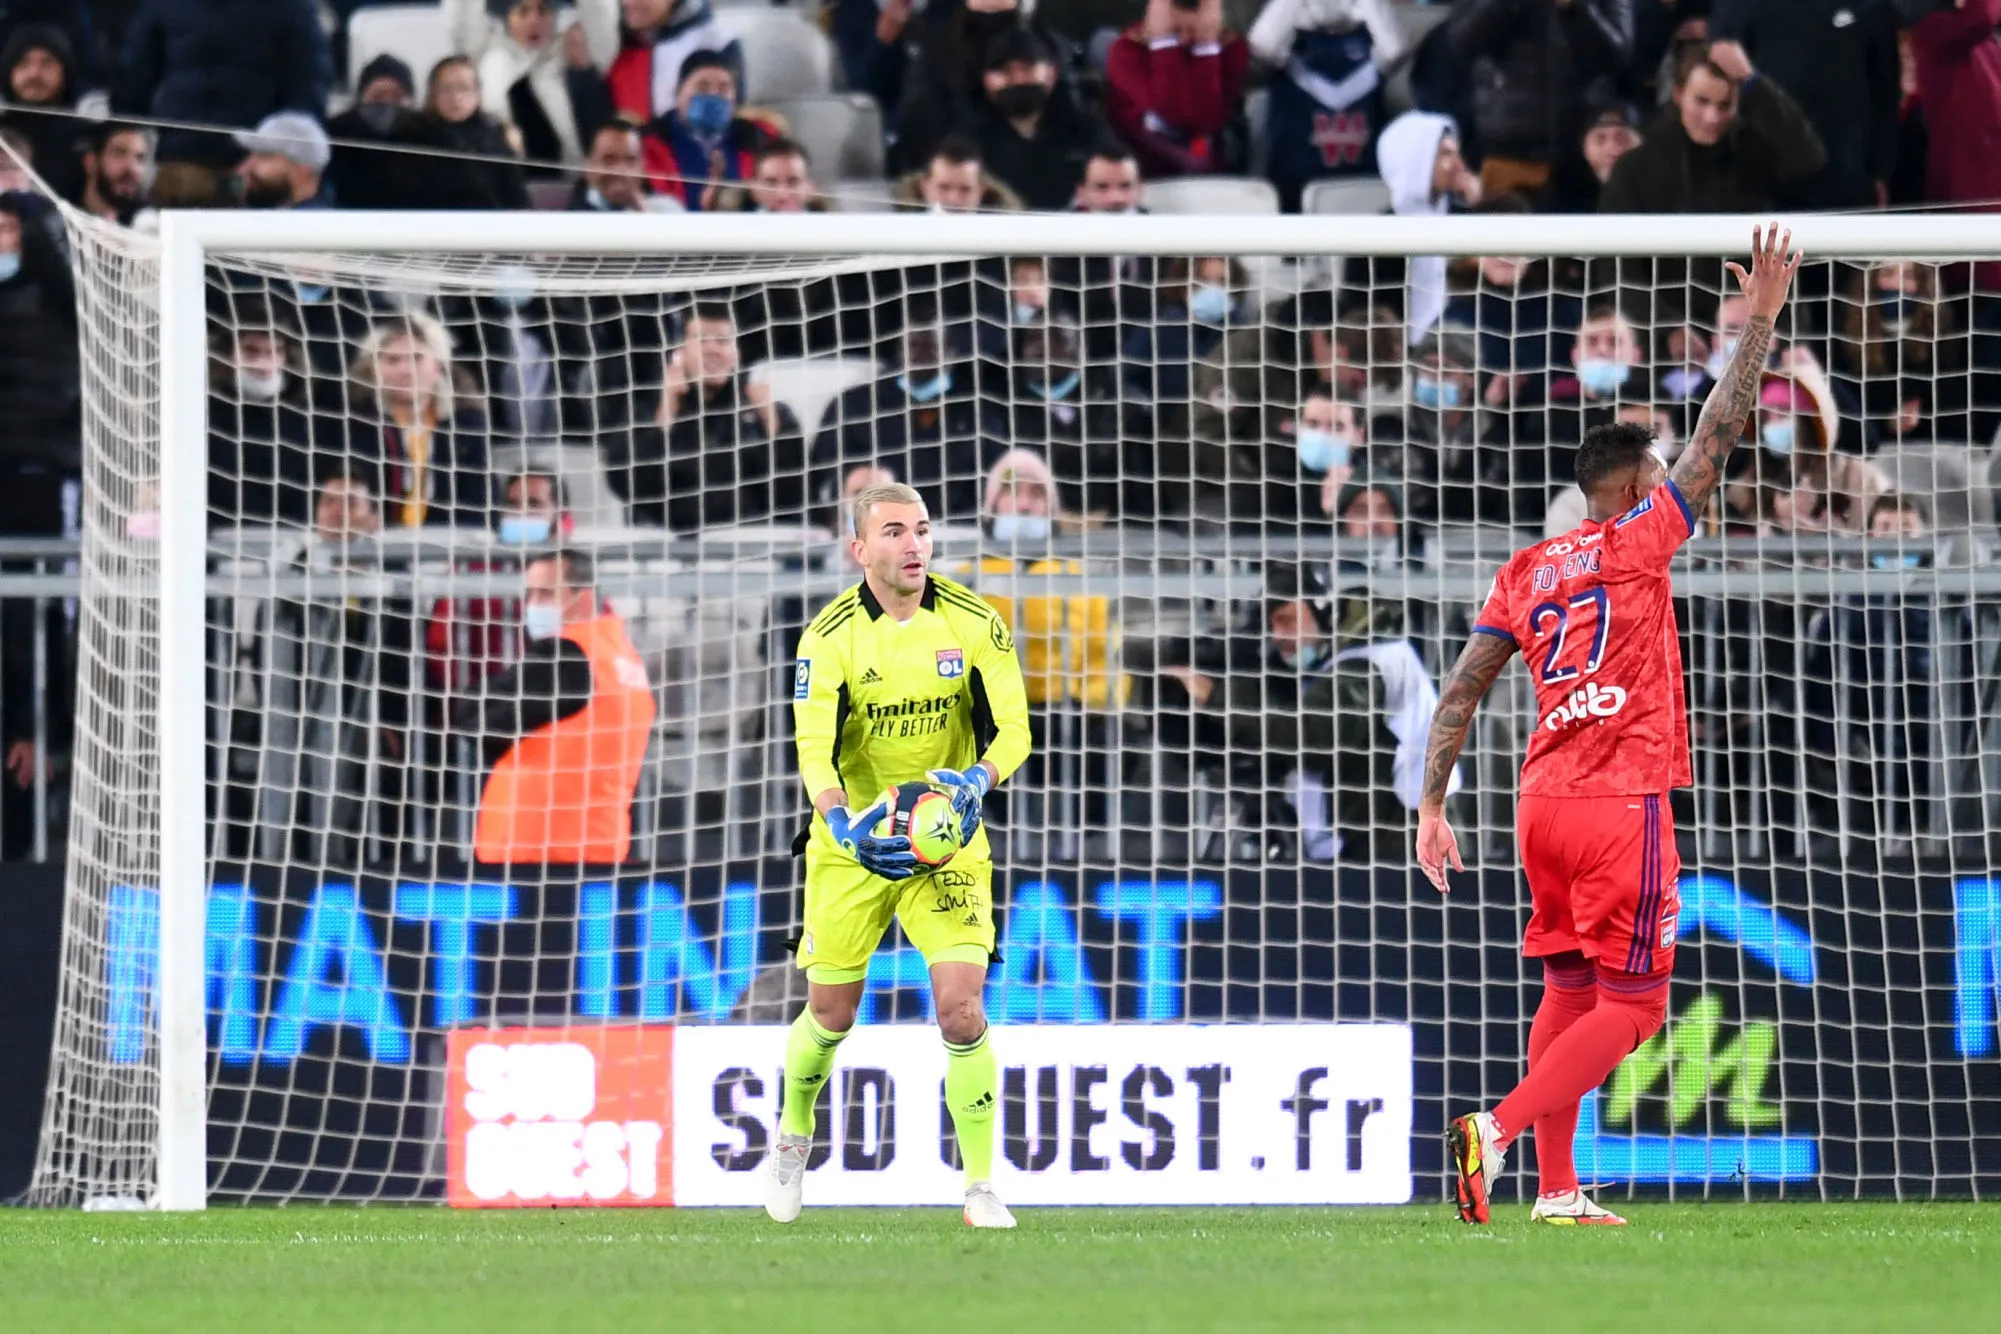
<point>1569,992</point>
<point>1581,1054</point>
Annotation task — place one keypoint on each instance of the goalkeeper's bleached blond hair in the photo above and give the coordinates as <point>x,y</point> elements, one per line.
<point>885,493</point>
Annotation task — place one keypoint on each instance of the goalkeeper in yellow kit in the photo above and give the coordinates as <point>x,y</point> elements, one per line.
<point>904,676</point>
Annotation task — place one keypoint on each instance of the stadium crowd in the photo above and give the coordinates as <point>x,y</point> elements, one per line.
<point>1377,402</point>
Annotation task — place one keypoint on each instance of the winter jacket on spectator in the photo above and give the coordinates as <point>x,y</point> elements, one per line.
<point>725,458</point>
<point>231,62</point>
<point>449,485</point>
<point>1959,82</point>
<point>82,24</point>
<point>1771,142</point>
<point>1837,59</point>
<point>56,138</point>
<point>1043,168</point>
<point>1534,64</point>
<point>466,184</point>
<point>1170,100</point>
<point>365,178</point>
<point>266,450</point>
<point>1097,440</point>
<point>39,374</point>
<point>646,72</point>
<point>680,162</point>
<point>931,429</point>
<point>554,106</point>
<point>995,195</point>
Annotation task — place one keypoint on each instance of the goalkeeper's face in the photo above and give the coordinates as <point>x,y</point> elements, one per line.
<point>895,547</point>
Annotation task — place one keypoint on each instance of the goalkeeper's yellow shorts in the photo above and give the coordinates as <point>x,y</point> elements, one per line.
<point>948,914</point>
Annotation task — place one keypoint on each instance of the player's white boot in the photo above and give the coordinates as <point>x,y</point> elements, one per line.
<point>1472,1139</point>
<point>1573,1208</point>
<point>785,1177</point>
<point>984,1208</point>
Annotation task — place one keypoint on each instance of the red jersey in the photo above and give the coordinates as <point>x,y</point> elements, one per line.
<point>1593,614</point>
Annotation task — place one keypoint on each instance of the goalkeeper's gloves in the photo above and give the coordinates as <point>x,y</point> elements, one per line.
<point>969,789</point>
<point>889,858</point>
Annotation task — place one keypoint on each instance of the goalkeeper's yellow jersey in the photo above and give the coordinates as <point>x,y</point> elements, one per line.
<point>876,703</point>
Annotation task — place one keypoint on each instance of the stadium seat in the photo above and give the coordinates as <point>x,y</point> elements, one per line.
<point>1212,194</point>
<point>1417,21</point>
<point>808,384</point>
<point>550,195</point>
<point>418,35</point>
<point>842,133</point>
<point>784,55</point>
<point>864,196</point>
<point>1954,481</point>
<point>1346,194</point>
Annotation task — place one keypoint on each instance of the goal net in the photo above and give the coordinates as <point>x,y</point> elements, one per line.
<point>431,916</point>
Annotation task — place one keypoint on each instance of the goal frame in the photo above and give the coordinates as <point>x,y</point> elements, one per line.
<point>189,239</point>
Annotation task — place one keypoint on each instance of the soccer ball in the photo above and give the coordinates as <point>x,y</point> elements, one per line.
<point>922,812</point>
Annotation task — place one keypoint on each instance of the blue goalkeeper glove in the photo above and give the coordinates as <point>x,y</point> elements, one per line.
<point>969,789</point>
<point>889,858</point>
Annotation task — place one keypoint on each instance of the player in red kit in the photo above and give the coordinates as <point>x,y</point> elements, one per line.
<point>1592,614</point>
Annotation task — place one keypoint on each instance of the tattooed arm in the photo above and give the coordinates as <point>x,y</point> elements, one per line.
<point>1699,469</point>
<point>1480,662</point>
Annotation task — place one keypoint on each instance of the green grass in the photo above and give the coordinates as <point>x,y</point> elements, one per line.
<point>1711,1269</point>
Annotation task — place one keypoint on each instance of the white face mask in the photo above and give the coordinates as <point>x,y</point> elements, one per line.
<point>541,620</point>
<point>260,386</point>
<point>1021,528</point>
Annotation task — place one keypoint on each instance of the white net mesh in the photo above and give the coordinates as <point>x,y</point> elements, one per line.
<point>1238,514</point>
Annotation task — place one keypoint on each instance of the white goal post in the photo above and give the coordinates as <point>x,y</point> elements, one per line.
<point>190,242</point>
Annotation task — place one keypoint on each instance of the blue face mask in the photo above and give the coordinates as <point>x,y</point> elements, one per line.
<point>1435,393</point>
<point>9,265</point>
<point>1320,450</point>
<point>926,389</point>
<point>709,114</point>
<point>1014,528</point>
<point>1896,309</point>
<point>524,529</point>
<point>1062,388</point>
<point>1719,360</point>
<point>539,620</point>
<point>1778,437</point>
<point>1600,375</point>
<point>1027,314</point>
<point>1309,657</point>
<point>1893,560</point>
<point>1209,303</point>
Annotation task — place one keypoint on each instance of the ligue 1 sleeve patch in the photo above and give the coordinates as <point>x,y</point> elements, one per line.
<point>802,679</point>
<point>997,631</point>
<point>951,663</point>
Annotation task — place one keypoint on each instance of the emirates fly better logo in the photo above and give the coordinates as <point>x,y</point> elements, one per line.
<point>1588,701</point>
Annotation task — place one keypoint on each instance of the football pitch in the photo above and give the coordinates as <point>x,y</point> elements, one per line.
<point>1711,1268</point>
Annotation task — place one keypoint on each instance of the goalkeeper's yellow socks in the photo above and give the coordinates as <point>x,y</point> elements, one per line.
<point>809,1058</point>
<point>972,1091</point>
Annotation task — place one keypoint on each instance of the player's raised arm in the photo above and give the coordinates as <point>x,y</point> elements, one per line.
<point>1699,470</point>
<point>1480,662</point>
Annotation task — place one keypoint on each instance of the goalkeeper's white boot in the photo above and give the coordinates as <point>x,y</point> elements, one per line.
<point>785,1177</point>
<point>984,1208</point>
<point>1573,1208</point>
<point>1478,1160</point>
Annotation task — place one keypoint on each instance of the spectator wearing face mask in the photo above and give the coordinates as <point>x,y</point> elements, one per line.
<point>655,42</point>
<point>549,86</point>
<point>929,69</point>
<point>1098,442</point>
<point>1031,133</point>
<point>698,148</point>
<point>1419,157</point>
<point>1463,464</point>
<point>384,113</point>
<point>1173,82</point>
<point>287,158</point>
<point>1329,439</point>
<point>1069,645</point>
<point>468,639</point>
<point>1605,368</point>
<point>117,170</point>
<point>565,729</point>
<point>1822,488</point>
<point>1199,301</point>
<point>266,440</point>
<point>925,421</point>
<point>1899,351</point>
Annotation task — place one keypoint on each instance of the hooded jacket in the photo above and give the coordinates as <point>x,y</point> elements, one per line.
<point>555,107</point>
<point>55,138</point>
<point>1407,155</point>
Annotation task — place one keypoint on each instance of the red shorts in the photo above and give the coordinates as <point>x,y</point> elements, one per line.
<point>1603,878</point>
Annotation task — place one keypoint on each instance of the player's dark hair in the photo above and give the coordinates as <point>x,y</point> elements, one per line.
<point>1609,450</point>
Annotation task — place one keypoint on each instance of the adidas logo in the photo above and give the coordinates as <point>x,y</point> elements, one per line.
<point>972,919</point>
<point>983,1103</point>
<point>871,677</point>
